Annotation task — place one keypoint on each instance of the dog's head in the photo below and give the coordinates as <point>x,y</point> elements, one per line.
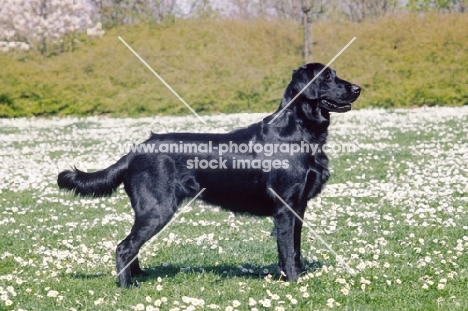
<point>322,87</point>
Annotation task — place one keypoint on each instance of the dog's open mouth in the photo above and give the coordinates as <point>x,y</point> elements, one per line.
<point>332,106</point>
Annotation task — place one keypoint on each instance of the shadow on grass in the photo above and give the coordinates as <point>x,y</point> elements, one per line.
<point>223,271</point>
<point>84,276</point>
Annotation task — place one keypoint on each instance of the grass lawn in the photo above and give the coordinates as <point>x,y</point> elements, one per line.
<point>395,210</point>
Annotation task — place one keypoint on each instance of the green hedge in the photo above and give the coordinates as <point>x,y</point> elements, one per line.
<point>222,66</point>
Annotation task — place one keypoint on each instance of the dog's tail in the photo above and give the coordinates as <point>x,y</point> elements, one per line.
<point>95,184</point>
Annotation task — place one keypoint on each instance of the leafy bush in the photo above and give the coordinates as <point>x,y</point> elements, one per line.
<point>221,66</point>
<point>403,61</point>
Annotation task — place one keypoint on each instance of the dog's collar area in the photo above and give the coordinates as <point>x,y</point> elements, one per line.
<point>333,106</point>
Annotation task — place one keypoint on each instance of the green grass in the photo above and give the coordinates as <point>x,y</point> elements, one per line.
<point>395,209</point>
<point>225,66</point>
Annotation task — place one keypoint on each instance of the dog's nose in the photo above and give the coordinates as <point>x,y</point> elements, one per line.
<point>356,89</point>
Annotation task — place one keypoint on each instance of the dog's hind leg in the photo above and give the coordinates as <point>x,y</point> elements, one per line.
<point>135,269</point>
<point>151,185</point>
<point>154,204</point>
<point>145,227</point>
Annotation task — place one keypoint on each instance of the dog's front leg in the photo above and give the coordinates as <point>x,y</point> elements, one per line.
<point>284,225</point>
<point>297,240</point>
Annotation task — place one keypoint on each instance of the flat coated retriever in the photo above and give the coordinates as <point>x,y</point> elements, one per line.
<point>237,169</point>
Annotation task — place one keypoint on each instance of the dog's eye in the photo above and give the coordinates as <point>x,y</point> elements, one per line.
<point>327,75</point>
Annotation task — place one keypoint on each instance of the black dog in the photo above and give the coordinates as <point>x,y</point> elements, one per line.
<point>236,169</point>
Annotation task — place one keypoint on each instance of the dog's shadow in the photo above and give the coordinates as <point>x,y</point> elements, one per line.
<point>223,271</point>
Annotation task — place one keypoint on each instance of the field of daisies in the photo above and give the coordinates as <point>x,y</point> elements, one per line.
<point>395,210</point>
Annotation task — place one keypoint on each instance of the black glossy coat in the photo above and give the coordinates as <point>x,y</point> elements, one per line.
<point>157,183</point>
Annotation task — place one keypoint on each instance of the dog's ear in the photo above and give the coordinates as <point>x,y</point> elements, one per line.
<point>301,79</point>
<point>311,92</point>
